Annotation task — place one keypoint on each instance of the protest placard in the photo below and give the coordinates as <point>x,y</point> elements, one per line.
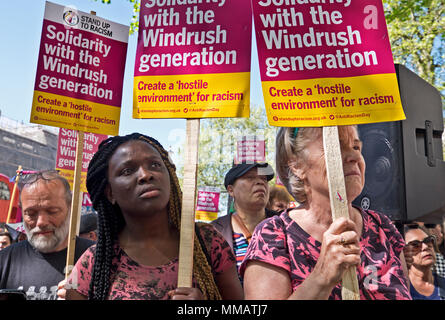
<point>250,149</point>
<point>66,154</point>
<point>192,60</point>
<point>80,71</point>
<point>87,204</point>
<point>207,204</point>
<point>326,62</point>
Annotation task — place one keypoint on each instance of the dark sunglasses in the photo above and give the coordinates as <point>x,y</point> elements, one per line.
<point>28,177</point>
<point>417,244</point>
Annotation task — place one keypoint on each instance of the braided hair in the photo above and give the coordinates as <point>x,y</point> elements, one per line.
<point>111,221</point>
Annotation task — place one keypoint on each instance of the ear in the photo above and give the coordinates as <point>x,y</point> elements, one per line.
<point>230,190</point>
<point>109,194</point>
<point>92,236</point>
<point>296,170</point>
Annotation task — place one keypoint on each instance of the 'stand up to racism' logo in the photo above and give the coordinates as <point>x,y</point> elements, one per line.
<point>70,17</point>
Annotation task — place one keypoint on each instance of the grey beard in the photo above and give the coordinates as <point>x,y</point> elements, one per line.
<point>45,244</point>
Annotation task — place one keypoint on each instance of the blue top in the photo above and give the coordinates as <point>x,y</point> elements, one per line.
<point>434,296</point>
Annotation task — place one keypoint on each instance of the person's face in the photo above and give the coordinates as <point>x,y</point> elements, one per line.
<point>4,242</point>
<point>313,170</point>
<point>45,215</point>
<point>251,190</point>
<point>138,180</point>
<point>278,205</point>
<point>423,253</point>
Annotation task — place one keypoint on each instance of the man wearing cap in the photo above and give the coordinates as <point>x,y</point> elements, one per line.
<point>248,185</point>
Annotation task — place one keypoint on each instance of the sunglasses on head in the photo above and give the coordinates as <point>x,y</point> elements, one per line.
<point>29,177</point>
<point>417,244</point>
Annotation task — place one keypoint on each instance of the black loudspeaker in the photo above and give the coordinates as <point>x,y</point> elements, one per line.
<point>405,171</point>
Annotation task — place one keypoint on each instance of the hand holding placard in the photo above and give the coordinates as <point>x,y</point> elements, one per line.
<point>327,63</point>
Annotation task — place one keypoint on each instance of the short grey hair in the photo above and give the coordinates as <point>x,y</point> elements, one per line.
<point>66,186</point>
<point>293,149</point>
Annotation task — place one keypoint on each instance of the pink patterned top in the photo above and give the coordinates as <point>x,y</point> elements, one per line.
<point>133,281</point>
<point>281,242</point>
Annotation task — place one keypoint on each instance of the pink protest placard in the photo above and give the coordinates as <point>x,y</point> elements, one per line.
<point>250,149</point>
<point>326,62</point>
<point>207,203</point>
<point>66,153</point>
<point>80,71</point>
<point>193,59</point>
<point>86,200</point>
<point>87,204</point>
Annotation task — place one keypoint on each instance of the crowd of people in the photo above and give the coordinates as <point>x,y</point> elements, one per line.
<point>278,242</point>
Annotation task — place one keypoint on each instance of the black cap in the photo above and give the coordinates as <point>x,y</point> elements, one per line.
<point>88,222</point>
<point>240,169</point>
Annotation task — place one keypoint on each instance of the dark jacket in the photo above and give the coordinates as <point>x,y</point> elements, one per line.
<point>224,225</point>
<point>441,284</point>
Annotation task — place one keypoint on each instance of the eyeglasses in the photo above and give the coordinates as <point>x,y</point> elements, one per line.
<point>430,225</point>
<point>417,244</point>
<point>28,177</point>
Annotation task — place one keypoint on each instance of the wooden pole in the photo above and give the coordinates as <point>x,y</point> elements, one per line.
<point>339,203</point>
<point>14,191</point>
<point>187,236</point>
<point>75,205</point>
<point>75,202</point>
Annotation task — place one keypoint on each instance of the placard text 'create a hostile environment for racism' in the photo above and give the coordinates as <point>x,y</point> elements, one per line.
<point>326,62</point>
<point>193,59</point>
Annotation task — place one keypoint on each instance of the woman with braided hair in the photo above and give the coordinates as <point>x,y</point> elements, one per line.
<point>135,190</point>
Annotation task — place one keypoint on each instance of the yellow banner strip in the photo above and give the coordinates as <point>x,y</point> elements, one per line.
<point>77,114</point>
<point>333,101</point>
<point>192,96</point>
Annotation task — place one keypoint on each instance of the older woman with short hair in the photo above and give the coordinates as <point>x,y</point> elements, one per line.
<point>303,253</point>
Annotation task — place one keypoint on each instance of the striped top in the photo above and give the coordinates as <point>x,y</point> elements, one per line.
<point>240,245</point>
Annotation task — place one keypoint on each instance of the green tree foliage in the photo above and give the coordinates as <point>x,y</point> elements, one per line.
<point>217,146</point>
<point>217,143</point>
<point>417,32</point>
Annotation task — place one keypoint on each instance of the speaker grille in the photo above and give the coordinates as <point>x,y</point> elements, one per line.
<point>383,154</point>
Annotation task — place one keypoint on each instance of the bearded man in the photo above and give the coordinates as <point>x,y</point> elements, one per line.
<point>37,265</point>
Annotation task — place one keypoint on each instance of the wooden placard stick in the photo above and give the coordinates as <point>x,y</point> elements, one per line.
<point>339,203</point>
<point>187,236</point>
<point>75,205</point>
<point>75,202</point>
<point>14,191</point>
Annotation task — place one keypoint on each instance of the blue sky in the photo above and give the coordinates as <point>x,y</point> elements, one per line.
<point>20,28</point>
